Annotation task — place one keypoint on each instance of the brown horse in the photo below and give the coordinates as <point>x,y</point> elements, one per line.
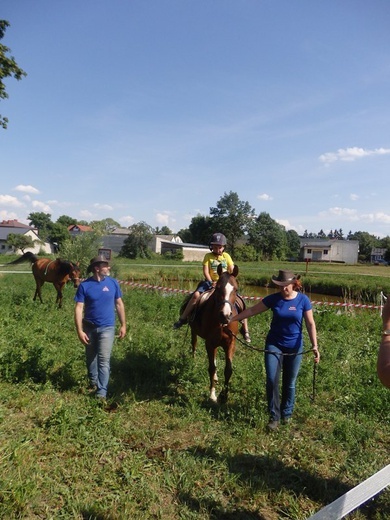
<point>211,322</point>
<point>58,272</point>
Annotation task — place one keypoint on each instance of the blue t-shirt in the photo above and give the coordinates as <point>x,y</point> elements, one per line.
<point>287,319</point>
<point>99,300</point>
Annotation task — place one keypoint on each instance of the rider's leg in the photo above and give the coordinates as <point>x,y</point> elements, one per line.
<point>190,306</point>
<point>187,311</point>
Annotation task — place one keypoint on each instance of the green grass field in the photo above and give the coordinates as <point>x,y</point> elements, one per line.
<point>160,450</point>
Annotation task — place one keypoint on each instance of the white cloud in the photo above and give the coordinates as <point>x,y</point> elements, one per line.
<point>353,196</point>
<point>104,207</point>
<point>165,218</point>
<point>5,215</point>
<point>352,215</point>
<point>126,221</point>
<point>41,206</point>
<point>264,196</point>
<point>284,223</point>
<point>378,217</point>
<point>351,154</point>
<point>8,200</point>
<point>85,214</point>
<point>26,189</point>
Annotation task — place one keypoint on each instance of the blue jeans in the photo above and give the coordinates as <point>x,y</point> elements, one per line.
<point>98,354</point>
<point>275,363</point>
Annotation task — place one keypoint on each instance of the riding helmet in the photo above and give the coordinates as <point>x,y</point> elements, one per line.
<point>218,239</point>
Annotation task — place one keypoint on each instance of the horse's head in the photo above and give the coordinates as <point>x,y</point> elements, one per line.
<point>74,274</point>
<point>226,290</point>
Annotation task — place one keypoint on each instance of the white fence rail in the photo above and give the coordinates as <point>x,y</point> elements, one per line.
<point>355,497</point>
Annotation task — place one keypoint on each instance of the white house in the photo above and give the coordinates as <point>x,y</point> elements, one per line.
<point>330,250</point>
<point>191,252</point>
<point>159,242</point>
<point>8,227</point>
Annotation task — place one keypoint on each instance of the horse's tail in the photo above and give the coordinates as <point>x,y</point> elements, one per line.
<point>27,257</point>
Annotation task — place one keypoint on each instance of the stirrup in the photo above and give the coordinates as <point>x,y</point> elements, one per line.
<point>179,323</point>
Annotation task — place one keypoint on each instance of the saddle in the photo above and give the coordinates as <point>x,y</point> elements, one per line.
<point>239,303</point>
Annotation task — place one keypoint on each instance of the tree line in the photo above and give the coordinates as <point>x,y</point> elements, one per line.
<point>250,237</point>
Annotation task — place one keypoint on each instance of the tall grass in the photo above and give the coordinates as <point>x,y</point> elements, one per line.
<point>159,450</point>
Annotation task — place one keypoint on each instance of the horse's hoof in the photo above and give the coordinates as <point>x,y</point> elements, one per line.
<point>223,397</point>
<point>213,397</point>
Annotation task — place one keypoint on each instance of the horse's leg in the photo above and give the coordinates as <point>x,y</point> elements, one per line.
<point>211,354</point>
<point>59,287</point>
<point>38,284</point>
<point>194,341</point>
<point>229,353</point>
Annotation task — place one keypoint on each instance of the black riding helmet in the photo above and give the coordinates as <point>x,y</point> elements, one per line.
<point>217,239</point>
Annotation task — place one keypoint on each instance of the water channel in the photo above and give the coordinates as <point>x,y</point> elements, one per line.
<point>254,293</point>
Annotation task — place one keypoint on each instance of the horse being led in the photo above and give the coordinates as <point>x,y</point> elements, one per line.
<point>211,322</point>
<point>58,272</point>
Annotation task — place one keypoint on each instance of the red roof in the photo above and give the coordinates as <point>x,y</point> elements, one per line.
<point>14,223</point>
<point>80,227</point>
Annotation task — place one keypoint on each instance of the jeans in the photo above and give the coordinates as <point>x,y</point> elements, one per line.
<point>98,354</point>
<point>275,362</point>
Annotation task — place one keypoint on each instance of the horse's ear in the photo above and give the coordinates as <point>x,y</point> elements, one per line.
<point>219,269</point>
<point>235,270</point>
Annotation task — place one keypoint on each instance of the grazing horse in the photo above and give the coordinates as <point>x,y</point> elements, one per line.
<point>211,322</point>
<point>58,272</point>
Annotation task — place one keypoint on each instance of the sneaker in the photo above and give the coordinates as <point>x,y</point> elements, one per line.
<point>101,400</point>
<point>178,324</point>
<point>245,334</point>
<point>272,426</point>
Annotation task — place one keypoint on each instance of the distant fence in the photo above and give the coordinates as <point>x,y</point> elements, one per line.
<point>250,298</point>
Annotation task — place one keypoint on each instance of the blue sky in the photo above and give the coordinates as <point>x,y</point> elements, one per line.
<point>151,110</point>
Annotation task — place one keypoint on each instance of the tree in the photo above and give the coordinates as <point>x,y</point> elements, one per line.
<point>8,68</point>
<point>21,242</point>
<point>163,231</point>
<point>385,243</point>
<point>366,243</point>
<point>41,221</point>
<point>66,221</point>
<point>81,248</point>
<point>104,226</point>
<point>199,231</point>
<point>245,253</point>
<point>293,244</point>
<point>137,244</point>
<point>57,233</point>
<point>268,237</point>
<point>232,217</point>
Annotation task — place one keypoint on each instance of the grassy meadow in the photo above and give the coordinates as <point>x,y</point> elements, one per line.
<point>159,449</point>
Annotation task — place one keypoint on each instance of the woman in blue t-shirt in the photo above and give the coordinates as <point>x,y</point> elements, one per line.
<point>290,309</point>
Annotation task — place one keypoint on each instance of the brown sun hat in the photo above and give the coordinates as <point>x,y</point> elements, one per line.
<point>95,261</point>
<point>285,278</point>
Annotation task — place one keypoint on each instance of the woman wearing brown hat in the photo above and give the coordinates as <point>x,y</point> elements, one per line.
<point>383,366</point>
<point>284,342</point>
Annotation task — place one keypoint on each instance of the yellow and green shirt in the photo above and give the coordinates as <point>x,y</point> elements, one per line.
<point>213,262</point>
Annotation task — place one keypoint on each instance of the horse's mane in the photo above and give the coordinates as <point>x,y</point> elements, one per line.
<point>65,266</point>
